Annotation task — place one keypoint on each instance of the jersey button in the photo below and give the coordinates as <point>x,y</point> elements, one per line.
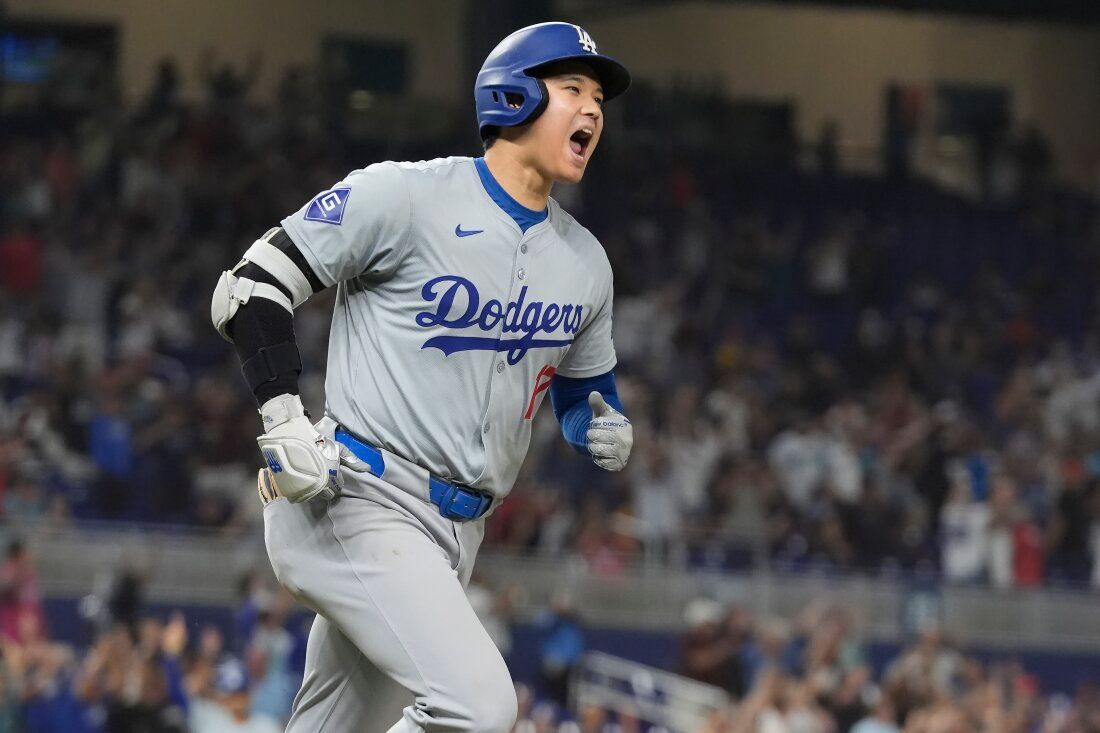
<point>500,367</point>
<point>523,248</point>
<point>485,429</point>
<point>521,274</point>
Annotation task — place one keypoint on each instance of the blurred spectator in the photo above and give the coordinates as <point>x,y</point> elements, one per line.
<point>268,661</point>
<point>24,501</point>
<point>20,260</point>
<point>127,598</point>
<point>769,649</point>
<point>230,709</point>
<point>561,644</point>
<point>20,597</point>
<point>855,696</point>
<point>1003,517</point>
<point>712,644</point>
<point>657,501</point>
<point>110,443</point>
<point>881,719</point>
<point>133,682</point>
<point>928,669</point>
<point>203,664</point>
<point>605,540</point>
<point>227,87</point>
<point>10,707</point>
<point>163,98</point>
<point>255,597</point>
<point>964,526</point>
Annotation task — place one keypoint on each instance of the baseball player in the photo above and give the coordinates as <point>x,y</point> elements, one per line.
<point>465,294</point>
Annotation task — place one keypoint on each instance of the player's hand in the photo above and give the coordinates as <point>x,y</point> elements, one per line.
<point>306,463</point>
<point>610,435</point>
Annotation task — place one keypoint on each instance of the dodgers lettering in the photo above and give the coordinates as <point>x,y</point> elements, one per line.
<point>518,316</point>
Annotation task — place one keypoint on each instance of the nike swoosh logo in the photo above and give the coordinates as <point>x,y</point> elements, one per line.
<point>460,232</point>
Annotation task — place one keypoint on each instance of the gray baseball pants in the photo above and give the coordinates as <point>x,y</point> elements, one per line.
<point>395,638</point>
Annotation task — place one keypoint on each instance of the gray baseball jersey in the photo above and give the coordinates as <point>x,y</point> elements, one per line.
<point>449,320</point>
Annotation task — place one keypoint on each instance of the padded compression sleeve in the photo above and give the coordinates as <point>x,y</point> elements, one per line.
<point>570,400</point>
<point>262,324</point>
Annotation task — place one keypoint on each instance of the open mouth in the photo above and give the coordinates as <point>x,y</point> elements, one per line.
<point>579,141</point>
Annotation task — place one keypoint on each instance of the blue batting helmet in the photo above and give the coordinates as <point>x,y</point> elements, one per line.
<point>508,91</point>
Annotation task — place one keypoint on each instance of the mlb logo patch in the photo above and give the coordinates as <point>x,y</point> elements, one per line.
<point>328,207</point>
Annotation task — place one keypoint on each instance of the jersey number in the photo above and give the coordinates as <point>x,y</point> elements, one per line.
<point>542,383</point>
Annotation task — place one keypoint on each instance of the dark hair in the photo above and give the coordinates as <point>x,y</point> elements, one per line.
<point>489,136</point>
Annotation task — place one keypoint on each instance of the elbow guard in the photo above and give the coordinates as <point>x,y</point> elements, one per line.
<point>232,291</point>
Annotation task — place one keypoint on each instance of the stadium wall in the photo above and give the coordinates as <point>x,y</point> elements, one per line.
<point>285,32</point>
<point>835,63</point>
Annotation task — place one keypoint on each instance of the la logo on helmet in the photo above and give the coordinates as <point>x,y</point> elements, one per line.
<point>585,40</point>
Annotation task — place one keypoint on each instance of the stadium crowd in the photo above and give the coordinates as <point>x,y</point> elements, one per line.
<point>826,372</point>
<point>140,672</point>
<point>814,672</point>
<point>810,674</point>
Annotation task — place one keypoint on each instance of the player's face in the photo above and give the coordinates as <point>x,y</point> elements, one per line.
<point>565,135</point>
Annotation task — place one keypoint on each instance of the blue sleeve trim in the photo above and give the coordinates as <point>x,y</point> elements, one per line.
<point>570,400</point>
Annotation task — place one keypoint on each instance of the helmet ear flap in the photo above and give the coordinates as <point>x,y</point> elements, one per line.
<point>544,99</point>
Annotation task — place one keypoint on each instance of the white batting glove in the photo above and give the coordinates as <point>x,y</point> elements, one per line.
<point>610,435</point>
<point>305,463</point>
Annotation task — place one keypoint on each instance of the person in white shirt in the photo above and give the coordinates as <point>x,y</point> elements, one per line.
<point>231,709</point>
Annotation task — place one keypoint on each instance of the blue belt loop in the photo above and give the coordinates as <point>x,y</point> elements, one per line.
<point>455,501</point>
